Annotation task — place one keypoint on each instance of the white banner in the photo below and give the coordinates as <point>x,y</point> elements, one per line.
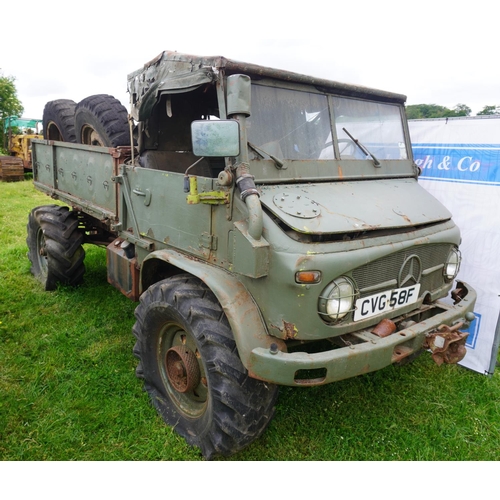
<point>460,162</point>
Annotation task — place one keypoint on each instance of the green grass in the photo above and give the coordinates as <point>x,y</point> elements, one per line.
<point>68,389</point>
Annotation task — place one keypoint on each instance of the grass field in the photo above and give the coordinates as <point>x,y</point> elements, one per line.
<point>68,389</point>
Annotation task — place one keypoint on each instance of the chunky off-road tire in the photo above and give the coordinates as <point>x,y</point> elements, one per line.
<point>55,246</point>
<point>192,371</point>
<point>59,120</point>
<point>101,120</point>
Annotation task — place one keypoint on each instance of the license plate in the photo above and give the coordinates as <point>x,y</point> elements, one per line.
<point>385,301</point>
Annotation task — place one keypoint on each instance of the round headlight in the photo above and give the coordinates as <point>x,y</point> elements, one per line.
<point>452,265</point>
<point>337,299</point>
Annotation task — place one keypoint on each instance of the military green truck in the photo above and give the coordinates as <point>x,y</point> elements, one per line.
<point>270,224</point>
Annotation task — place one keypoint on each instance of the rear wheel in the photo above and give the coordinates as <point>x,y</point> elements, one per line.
<point>55,246</point>
<point>58,120</point>
<point>101,120</point>
<point>192,371</point>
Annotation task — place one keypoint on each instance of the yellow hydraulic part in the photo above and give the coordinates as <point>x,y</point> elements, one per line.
<point>210,197</point>
<point>20,146</point>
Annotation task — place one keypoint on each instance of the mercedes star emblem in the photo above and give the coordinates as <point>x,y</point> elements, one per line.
<point>410,272</point>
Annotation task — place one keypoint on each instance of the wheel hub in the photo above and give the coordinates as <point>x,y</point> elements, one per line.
<point>182,369</point>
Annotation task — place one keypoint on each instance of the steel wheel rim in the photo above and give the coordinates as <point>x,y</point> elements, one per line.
<point>190,398</point>
<point>41,250</point>
<point>53,133</point>
<point>91,137</point>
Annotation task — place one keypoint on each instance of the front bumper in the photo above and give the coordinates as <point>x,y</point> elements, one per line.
<point>371,354</point>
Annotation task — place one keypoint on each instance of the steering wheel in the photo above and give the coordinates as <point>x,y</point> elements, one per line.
<point>349,148</point>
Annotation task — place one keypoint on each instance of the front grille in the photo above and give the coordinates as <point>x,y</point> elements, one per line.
<point>383,275</point>
<point>388,268</point>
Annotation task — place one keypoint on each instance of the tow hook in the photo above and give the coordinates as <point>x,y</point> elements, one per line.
<point>447,344</point>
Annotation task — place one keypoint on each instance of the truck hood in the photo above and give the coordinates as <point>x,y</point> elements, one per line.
<point>345,207</point>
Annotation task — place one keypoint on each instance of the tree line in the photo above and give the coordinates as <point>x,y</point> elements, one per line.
<point>416,111</point>
<point>10,105</point>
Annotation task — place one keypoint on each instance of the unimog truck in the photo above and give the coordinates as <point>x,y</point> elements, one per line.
<point>270,224</point>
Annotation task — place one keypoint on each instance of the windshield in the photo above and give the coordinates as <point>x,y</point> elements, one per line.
<point>378,127</point>
<point>289,124</point>
<point>296,125</point>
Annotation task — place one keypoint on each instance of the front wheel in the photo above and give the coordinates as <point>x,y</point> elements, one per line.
<point>192,371</point>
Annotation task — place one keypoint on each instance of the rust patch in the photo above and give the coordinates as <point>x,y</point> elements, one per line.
<point>240,298</point>
<point>301,260</point>
<point>371,227</point>
<point>447,344</point>
<point>288,330</point>
<point>385,328</point>
<point>459,293</point>
<point>400,352</point>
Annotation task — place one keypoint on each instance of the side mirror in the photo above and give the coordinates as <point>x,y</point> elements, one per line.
<point>215,138</point>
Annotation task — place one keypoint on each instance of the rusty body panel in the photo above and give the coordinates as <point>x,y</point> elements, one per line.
<point>123,269</point>
<point>241,310</point>
<point>370,354</point>
<point>345,207</point>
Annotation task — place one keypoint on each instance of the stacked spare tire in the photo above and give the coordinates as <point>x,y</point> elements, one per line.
<point>55,235</point>
<point>98,120</point>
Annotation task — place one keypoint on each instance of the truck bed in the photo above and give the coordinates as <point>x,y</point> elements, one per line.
<point>130,201</point>
<point>79,175</point>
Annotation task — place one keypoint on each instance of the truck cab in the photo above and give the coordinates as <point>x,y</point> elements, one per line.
<point>343,240</point>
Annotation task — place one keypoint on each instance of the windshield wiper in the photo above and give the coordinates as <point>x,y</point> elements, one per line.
<point>279,163</point>
<point>363,148</point>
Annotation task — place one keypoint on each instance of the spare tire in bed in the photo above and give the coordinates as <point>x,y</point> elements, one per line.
<point>59,120</point>
<point>101,120</point>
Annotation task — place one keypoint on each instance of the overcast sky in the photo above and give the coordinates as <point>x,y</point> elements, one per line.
<point>434,52</point>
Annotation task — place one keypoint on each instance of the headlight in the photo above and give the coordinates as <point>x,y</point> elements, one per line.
<point>337,299</point>
<point>452,265</point>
